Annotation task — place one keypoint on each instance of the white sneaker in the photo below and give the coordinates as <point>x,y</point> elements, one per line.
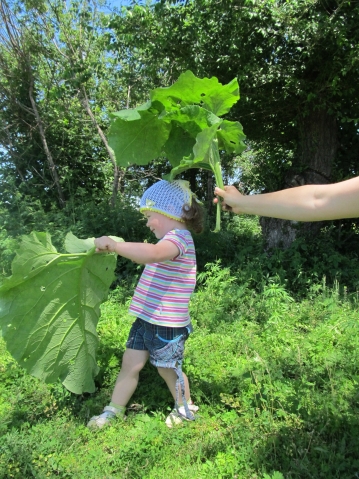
<point>177,417</point>
<point>108,415</point>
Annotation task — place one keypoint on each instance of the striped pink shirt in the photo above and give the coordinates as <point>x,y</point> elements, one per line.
<point>164,289</point>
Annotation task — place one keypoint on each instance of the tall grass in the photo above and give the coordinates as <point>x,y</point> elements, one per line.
<point>273,363</point>
<point>276,379</point>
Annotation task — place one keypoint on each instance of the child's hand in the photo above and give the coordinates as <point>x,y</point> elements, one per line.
<point>105,244</point>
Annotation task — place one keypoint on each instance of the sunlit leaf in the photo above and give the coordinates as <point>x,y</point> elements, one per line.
<point>138,141</point>
<point>231,136</point>
<point>50,306</point>
<point>180,122</point>
<point>206,92</point>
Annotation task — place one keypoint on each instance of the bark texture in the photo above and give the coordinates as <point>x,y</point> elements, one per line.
<point>317,150</point>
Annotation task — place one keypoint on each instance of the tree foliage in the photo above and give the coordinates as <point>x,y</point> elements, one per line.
<point>296,64</point>
<point>73,83</point>
<point>293,61</point>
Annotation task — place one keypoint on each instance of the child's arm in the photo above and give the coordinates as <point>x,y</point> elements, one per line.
<point>303,203</point>
<point>142,253</point>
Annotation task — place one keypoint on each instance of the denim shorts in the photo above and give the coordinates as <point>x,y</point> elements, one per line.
<point>165,345</point>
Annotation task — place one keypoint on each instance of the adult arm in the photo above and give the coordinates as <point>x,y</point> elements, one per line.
<point>303,203</point>
<point>142,253</point>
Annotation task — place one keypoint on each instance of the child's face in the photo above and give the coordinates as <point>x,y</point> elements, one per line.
<point>159,224</point>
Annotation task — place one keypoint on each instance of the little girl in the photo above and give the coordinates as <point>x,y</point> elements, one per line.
<point>160,302</point>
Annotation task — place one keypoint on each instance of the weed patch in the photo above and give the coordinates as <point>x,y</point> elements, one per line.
<point>276,379</point>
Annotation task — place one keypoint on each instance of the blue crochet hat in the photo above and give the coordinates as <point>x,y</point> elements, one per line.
<point>167,198</point>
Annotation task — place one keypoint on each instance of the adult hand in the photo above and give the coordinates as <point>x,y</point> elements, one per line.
<point>232,198</point>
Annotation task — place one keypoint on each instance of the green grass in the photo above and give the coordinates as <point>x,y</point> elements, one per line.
<point>276,381</point>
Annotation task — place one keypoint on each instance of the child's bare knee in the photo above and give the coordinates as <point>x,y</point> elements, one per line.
<point>133,361</point>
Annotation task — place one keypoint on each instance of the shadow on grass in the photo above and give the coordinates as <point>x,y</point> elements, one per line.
<point>321,447</point>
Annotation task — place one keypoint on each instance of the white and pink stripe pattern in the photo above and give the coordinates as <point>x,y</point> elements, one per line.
<point>164,289</point>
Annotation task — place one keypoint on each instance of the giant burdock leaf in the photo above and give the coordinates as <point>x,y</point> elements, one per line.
<point>179,145</point>
<point>188,123</point>
<point>231,136</point>
<point>206,92</point>
<point>182,123</point>
<point>50,306</point>
<point>201,156</point>
<point>137,136</point>
<point>192,119</point>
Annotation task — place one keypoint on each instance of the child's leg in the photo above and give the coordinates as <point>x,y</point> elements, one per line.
<point>179,413</point>
<point>166,353</point>
<point>170,376</point>
<point>132,362</point>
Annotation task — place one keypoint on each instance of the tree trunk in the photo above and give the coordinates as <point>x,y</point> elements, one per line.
<point>191,175</point>
<point>316,153</point>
